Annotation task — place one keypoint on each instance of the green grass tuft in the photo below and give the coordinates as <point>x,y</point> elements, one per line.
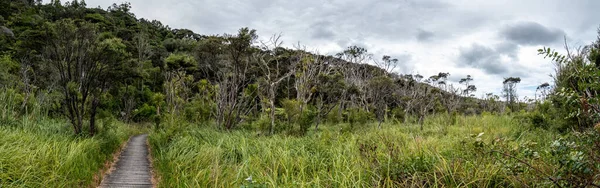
<point>46,154</point>
<point>397,155</point>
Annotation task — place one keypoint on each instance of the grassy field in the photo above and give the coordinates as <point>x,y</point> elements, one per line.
<point>37,151</point>
<point>477,151</point>
<point>40,152</point>
<point>47,155</point>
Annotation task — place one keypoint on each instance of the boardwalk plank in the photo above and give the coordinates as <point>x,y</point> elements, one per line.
<point>133,168</point>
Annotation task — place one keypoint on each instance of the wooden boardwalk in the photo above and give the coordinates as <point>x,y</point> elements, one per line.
<point>133,167</point>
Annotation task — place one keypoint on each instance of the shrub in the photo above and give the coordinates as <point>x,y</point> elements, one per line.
<point>358,116</point>
<point>291,110</point>
<point>144,113</point>
<point>198,110</point>
<point>334,117</point>
<point>398,114</point>
<point>539,120</point>
<point>263,123</point>
<point>306,120</point>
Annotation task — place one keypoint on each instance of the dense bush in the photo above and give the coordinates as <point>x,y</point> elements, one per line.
<point>358,116</point>
<point>539,120</point>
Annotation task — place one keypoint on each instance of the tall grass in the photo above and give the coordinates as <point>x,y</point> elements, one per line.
<point>398,155</point>
<point>36,151</point>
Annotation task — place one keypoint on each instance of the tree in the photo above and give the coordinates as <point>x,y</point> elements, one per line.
<point>451,99</point>
<point>274,67</point>
<point>329,90</point>
<point>491,103</point>
<point>177,82</point>
<point>510,90</point>
<point>425,97</point>
<point>356,75</point>
<point>381,88</point>
<point>387,64</point>
<point>406,94</point>
<point>233,78</point>
<point>439,80</point>
<point>468,88</point>
<point>306,76</point>
<point>86,66</point>
<point>544,90</point>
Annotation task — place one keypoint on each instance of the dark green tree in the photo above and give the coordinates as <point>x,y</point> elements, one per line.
<point>85,65</point>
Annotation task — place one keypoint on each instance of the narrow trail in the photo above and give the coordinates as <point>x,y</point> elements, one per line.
<point>132,168</point>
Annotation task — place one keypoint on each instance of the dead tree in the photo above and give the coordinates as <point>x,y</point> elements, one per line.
<point>451,99</point>
<point>356,76</point>
<point>306,74</point>
<point>232,78</point>
<point>274,67</point>
<point>381,88</point>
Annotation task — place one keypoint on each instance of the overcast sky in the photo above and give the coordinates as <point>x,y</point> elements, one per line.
<point>489,40</point>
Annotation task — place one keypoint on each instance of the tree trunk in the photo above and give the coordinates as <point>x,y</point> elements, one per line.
<point>405,116</point>
<point>421,117</point>
<point>318,121</point>
<point>319,111</point>
<point>93,117</point>
<point>157,119</point>
<point>272,104</point>
<point>385,113</point>
<point>341,110</point>
<point>76,127</point>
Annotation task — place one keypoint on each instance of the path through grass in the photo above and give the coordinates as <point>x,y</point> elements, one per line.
<point>45,153</point>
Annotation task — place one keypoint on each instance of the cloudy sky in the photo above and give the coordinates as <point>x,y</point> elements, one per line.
<point>489,40</point>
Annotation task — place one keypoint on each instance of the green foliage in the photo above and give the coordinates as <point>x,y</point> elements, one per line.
<point>334,117</point>
<point>539,120</point>
<point>306,120</point>
<point>154,73</point>
<point>178,61</point>
<point>398,115</point>
<point>576,85</point>
<point>572,161</point>
<point>9,71</point>
<point>263,123</point>
<point>198,110</point>
<point>358,117</point>
<point>9,107</point>
<point>302,119</point>
<point>96,18</point>
<point>291,109</point>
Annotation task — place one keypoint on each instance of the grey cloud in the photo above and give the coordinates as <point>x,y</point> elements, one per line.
<point>322,30</point>
<point>482,57</point>
<point>455,77</point>
<point>423,35</point>
<point>489,59</point>
<point>509,49</point>
<point>531,33</point>
<point>312,20</point>
<point>405,64</point>
<point>354,41</point>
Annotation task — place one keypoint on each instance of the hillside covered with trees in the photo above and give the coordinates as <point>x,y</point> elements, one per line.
<point>225,107</point>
